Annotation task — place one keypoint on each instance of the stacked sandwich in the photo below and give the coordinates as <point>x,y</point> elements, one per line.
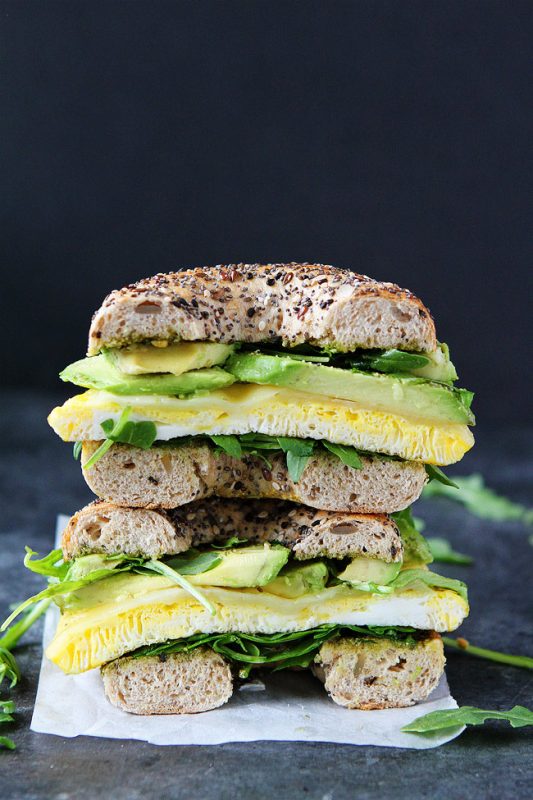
<point>255,435</point>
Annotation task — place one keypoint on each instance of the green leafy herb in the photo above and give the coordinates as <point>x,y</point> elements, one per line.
<point>168,572</point>
<point>480,500</point>
<point>518,717</point>
<point>139,434</point>
<point>229,444</point>
<point>76,450</point>
<point>194,563</point>
<point>348,455</point>
<point>278,650</point>
<point>115,430</point>
<point>297,452</point>
<point>9,669</point>
<point>415,547</point>
<point>233,541</point>
<point>66,578</point>
<point>490,655</point>
<point>51,565</point>
<point>7,707</point>
<point>441,550</point>
<point>436,474</point>
<point>407,577</point>
<point>389,361</point>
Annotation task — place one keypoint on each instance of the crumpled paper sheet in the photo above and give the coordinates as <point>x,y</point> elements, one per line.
<point>288,706</point>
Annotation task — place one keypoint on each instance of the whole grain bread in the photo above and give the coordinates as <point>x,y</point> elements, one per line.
<point>104,528</point>
<point>360,674</point>
<point>178,683</point>
<point>381,673</point>
<point>297,303</point>
<point>107,529</point>
<point>168,477</point>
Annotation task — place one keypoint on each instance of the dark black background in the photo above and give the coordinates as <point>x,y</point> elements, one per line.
<point>390,137</point>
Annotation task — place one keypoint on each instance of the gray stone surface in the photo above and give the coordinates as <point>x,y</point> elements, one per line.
<point>38,478</point>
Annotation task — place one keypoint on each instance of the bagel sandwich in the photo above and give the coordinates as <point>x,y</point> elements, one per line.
<point>307,362</point>
<point>175,605</point>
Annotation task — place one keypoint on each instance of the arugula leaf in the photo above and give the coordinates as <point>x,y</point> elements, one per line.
<point>480,500</point>
<point>441,550</point>
<point>415,546</point>
<point>390,361</point>
<point>348,455</point>
<point>490,655</point>
<point>229,444</point>
<point>191,563</point>
<point>296,465</point>
<point>47,565</point>
<point>139,434</point>
<point>297,452</point>
<point>168,572</point>
<point>108,443</point>
<point>436,474</point>
<point>279,650</point>
<point>407,577</point>
<point>233,541</point>
<point>9,669</point>
<point>518,717</point>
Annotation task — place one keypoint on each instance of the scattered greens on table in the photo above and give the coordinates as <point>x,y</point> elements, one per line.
<point>518,717</point>
<point>441,550</point>
<point>490,655</point>
<point>480,500</point>
<point>9,670</point>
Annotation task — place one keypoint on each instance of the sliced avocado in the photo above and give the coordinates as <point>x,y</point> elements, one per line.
<point>405,395</point>
<point>98,373</point>
<point>177,358</point>
<point>83,565</point>
<point>294,581</point>
<point>440,368</point>
<point>241,567</point>
<point>370,570</point>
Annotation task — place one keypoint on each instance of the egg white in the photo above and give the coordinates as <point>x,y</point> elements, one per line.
<point>144,610</point>
<point>272,410</point>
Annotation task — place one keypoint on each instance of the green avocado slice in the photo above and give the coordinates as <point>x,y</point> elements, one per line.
<point>403,395</point>
<point>297,580</point>
<point>98,372</point>
<point>255,565</point>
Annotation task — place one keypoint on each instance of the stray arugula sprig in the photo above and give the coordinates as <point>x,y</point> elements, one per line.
<point>139,434</point>
<point>490,655</point>
<point>436,474</point>
<point>9,669</point>
<point>442,551</point>
<point>518,717</point>
<point>480,500</point>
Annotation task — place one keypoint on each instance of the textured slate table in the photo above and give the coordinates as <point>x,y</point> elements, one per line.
<point>38,478</point>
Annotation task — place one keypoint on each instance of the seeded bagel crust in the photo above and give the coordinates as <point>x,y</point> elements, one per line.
<point>168,477</point>
<point>382,673</point>
<point>104,528</point>
<point>179,683</point>
<point>297,303</point>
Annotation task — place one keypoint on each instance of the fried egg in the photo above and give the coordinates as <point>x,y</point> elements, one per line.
<point>128,611</point>
<point>272,410</point>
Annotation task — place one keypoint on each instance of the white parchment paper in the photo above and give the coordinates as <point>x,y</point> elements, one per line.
<point>288,706</point>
